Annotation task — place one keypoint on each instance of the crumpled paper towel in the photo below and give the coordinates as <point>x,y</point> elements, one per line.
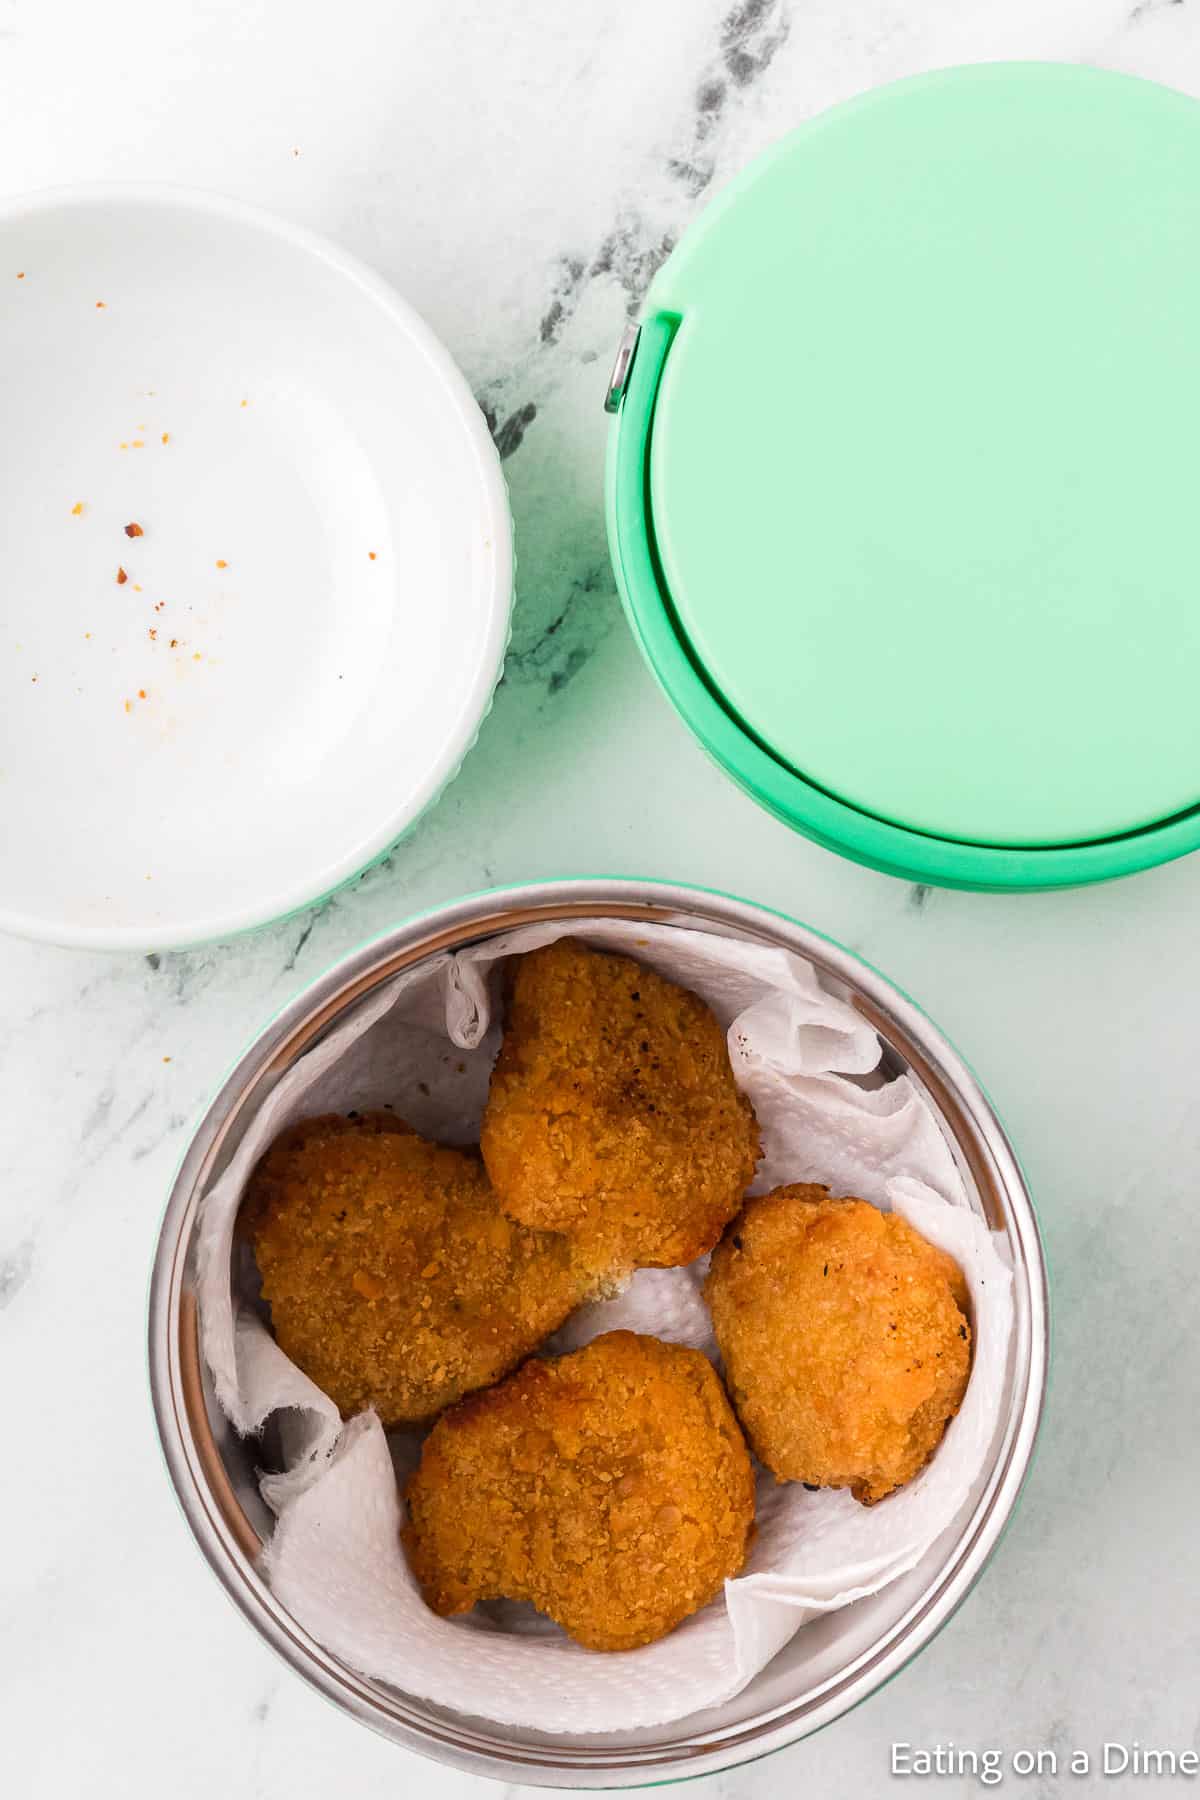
<point>425,1043</point>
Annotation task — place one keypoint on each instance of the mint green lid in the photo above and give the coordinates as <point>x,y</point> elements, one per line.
<point>921,473</point>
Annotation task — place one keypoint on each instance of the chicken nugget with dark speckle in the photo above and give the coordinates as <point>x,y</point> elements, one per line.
<point>395,1280</point>
<point>844,1336</point>
<point>613,1113</point>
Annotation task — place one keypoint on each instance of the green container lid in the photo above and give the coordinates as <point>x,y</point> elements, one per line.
<point>903,492</point>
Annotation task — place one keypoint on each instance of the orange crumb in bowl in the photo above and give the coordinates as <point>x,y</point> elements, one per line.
<point>134,530</point>
<point>122,577</point>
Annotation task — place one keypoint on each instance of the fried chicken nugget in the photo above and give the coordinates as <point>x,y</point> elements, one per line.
<point>845,1339</point>
<point>394,1278</point>
<point>612,1488</point>
<point>613,1113</point>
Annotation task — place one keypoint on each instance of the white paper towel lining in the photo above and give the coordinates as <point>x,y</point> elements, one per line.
<point>425,1045</point>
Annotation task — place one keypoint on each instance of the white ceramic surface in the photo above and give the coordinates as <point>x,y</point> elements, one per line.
<point>311,625</point>
<point>515,171</point>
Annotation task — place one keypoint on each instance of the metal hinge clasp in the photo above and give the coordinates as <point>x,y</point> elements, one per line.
<point>618,381</point>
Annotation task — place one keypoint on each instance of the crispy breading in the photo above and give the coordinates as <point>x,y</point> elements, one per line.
<point>612,1488</point>
<point>613,1113</point>
<point>845,1339</point>
<point>394,1278</point>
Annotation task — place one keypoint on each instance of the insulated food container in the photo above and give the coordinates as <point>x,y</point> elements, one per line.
<point>832,1662</point>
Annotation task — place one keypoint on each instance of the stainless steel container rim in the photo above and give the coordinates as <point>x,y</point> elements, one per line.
<point>202,1486</point>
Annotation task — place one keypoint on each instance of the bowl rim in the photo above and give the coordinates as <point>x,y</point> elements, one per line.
<point>229,1542</point>
<point>327,876</point>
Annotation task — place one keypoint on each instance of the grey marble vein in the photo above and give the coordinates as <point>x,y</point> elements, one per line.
<point>170,1128</point>
<point>509,432</point>
<point>751,36</point>
<point>561,621</point>
<point>564,644</point>
<point>15,1268</point>
<point>297,950</point>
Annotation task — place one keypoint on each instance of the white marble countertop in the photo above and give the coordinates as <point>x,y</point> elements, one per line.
<point>518,171</point>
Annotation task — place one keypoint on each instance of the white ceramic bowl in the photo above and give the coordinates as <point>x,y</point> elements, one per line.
<point>314,620</point>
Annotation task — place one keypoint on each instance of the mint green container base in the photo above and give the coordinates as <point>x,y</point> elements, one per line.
<point>901,488</point>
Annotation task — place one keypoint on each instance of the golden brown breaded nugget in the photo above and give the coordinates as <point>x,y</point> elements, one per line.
<point>394,1278</point>
<point>611,1488</point>
<point>613,1112</point>
<point>845,1339</point>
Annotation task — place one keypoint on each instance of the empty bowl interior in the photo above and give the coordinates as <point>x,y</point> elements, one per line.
<point>310,625</point>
